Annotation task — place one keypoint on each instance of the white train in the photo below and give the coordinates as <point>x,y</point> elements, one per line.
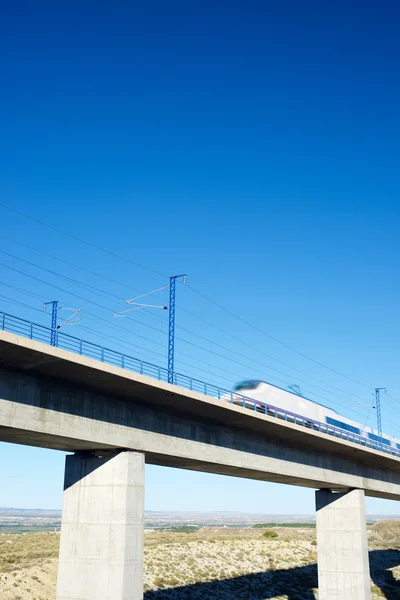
<point>293,407</point>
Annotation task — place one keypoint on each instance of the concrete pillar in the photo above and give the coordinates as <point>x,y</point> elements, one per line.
<point>102,528</point>
<point>343,565</point>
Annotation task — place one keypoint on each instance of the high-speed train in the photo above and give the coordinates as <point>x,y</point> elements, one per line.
<point>269,398</point>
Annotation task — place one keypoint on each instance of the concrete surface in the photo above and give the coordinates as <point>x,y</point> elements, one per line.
<point>342,544</point>
<point>56,414</point>
<point>102,529</point>
<point>56,399</point>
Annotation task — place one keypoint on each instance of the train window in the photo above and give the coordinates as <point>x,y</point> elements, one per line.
<point>341,425</point>
<point>376,438</point>
<point>247,385</point>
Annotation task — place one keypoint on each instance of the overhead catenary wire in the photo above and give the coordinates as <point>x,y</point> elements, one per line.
<point>277,378</point>
<point>144,324</point>
<point>249,324</point>
<point>78,239</point>
<point>120,341</point>
<point>107,323</point>
<point>14,301</point>
<point>263,353</point>
<point>264,365</point>
<point>102,292</point>
<point>129,345</point>
<point>393,406</point>
<point>72,264</point>
<point>24,304</point>
<point>201,294</point>
<point>124,258</point>
<point>77,296</point>
<point>106,293</point>
<point>195,358</point>
<point>81,284</point>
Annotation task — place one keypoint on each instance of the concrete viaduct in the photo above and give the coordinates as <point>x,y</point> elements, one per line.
<point>114,420</point>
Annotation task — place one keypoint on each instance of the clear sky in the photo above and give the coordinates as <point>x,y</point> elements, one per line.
<point>252,145</point>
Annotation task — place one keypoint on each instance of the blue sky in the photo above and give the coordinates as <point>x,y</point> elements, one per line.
<point>252,145</point>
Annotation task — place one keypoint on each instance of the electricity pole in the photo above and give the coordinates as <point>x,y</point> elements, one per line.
<point>54,311</point>
<point>171,327</point>
<point>54,315</point>
<point>171,323</point>
<point>378,410</point>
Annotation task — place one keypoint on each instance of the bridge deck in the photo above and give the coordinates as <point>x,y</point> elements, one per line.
<point>36,358</point>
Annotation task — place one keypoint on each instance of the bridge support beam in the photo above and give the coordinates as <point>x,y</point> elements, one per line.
<point>343,564</point>
<point>102,528</point>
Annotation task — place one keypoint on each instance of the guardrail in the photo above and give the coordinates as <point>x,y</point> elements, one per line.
<point>40,333</point>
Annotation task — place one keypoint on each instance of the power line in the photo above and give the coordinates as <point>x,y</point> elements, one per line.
<point>71,264</point>
<point>14,301</point>
<point>392,405</point>
<point>264,365</point>
<point>366,420</point>
<point>235,374</point>
<point>81,298</point>
<point>102,320</point>
<point>115,255</point>
<point>152,352</point>
<point>121,342</point>
<point>102,292</point>
<point>70,279</point>
<point>23,291</point>
<point>263,353</point>
<point>82,326</point>
<point>124,343</point>
<point>145,324</point>
<point>78,239</point>
<point>277,378</point>
<point>129,345</point>
<point>87,286</point>
<point>276,339</point>
<point>393,408</point>
<point>389,396</point>
<point>52,285</point>
<point>108,324</point>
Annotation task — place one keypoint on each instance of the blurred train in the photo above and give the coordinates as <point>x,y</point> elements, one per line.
<point>273,397</point>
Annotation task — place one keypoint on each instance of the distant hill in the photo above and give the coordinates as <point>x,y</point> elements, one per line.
<point>6,511</point>
<point>161,518</point>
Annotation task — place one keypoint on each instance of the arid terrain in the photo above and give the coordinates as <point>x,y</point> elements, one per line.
<point>213,563</point>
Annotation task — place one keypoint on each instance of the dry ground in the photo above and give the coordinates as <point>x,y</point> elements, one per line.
<point>220,564</point>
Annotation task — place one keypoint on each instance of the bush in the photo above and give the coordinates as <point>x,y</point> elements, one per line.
<point>270,533</point>
<point>288,525</point>
<point>185,529</point>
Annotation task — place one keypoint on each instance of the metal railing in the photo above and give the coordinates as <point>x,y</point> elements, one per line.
<point>40,333</point>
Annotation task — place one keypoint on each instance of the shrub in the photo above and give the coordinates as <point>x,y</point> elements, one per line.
<point>185,529</point>
<point>270,533</point>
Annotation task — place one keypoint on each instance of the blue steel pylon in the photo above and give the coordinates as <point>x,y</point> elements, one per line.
<point>378,410</point>
<point>54,311</point>
<point>171,328</point>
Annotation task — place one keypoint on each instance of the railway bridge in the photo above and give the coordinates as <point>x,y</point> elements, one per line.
<point>113,420</point>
